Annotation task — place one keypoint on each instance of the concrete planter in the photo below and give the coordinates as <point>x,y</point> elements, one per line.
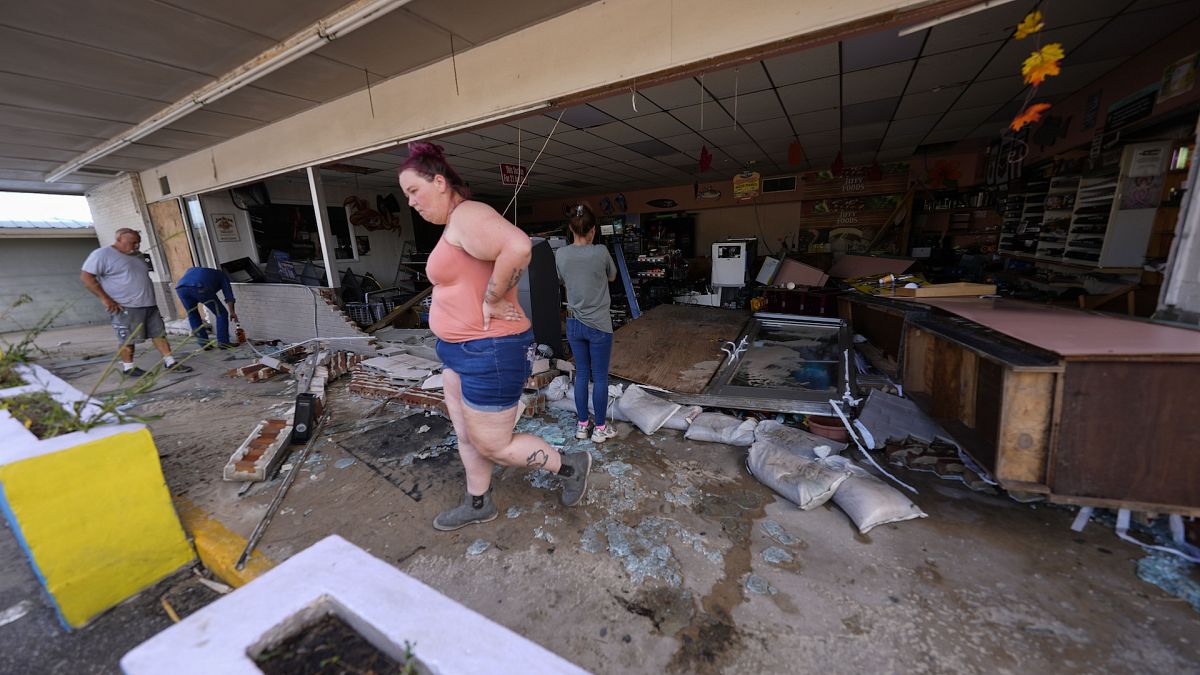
<point>384,605</point>
<point>90,508</point>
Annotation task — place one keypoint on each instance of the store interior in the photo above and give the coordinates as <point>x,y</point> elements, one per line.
<point>880,143</point>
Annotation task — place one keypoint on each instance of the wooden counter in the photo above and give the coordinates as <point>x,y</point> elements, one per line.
<point>1086,408</point>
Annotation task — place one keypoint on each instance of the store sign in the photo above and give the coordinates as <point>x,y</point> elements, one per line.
<point>512,174</point>
<point>1179,77</point>
<point>855,181</point>
<point>746,185</point>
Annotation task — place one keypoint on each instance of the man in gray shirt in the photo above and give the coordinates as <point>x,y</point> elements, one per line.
<point>119,276</point>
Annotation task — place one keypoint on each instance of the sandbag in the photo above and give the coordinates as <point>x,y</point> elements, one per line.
<point>558,388</point>
<point>567,402</point>
<point>807,483</point>
<point>870,501</point>
<point>682,419</point>
<point>647,411</point>
<point>797,440</point>
<point>719,428</point>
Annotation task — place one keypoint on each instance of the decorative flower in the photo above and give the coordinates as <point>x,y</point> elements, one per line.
<point>1031,24</point>
<point>1043,63</point>
<point>944,174</point>
<point>1029,115</point>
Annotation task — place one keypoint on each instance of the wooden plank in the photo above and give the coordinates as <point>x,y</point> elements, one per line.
<point>1025,420</point>
<point>967,379</point>
<point>946,290</point>
<point>399,311</point>
<point>167,220</point>
<point>945,361</point>
<point>1145,507</point>
<point>1129,433</point>
<point>916,342</point>
<point>676,347</point>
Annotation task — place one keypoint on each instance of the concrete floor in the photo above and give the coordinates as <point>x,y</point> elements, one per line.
<point>678,560</point>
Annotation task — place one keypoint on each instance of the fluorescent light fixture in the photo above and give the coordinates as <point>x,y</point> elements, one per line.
<point>966,11</point>
<point>299,45</point>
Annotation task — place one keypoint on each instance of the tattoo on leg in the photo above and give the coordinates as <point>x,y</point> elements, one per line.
<point>537,459</point>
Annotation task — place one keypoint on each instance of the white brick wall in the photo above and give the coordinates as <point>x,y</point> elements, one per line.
<point>293,313</point>
<point>120,203</point>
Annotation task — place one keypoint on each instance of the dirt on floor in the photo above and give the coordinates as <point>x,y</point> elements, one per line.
<point>678,560</point>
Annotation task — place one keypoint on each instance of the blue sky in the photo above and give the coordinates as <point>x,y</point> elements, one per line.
<point>30,206</point>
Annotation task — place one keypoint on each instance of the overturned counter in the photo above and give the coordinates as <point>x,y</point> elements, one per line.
<point>1086,408</point>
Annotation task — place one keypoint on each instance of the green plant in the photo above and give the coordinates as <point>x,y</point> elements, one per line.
<point>39,412</point>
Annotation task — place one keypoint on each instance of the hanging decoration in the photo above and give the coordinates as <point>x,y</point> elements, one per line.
<point>620,203</point>
<point>795,152</point>
<point>838,165</point>
<point>1029,115</point>
<point>1031,24</point>
<point>1043,62</point>
<point>706,159</point>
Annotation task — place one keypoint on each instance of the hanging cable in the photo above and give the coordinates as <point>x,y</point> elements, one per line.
<point>533,164</point>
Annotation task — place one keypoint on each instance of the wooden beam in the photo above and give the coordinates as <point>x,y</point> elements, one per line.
<point>399,311</point>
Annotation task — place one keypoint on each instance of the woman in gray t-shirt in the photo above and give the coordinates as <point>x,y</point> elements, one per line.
<point>586,270</point>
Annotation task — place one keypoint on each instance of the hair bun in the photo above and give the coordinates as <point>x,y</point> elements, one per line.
<point>425,149</point>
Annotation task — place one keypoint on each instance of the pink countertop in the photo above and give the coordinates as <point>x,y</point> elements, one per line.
<point>1071,332</point>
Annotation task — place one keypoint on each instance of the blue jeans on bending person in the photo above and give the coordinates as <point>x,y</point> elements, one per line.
<point>592,350</point>
<point>194,296</point>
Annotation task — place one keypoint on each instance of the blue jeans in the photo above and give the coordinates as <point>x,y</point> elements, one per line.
<point>592,350</point>
<point>194,296</point>
<point>493,371</point>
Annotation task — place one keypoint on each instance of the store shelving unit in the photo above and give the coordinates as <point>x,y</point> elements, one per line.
<point>1056,218</point>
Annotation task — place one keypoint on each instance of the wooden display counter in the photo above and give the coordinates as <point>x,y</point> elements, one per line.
<point>1087,408</point>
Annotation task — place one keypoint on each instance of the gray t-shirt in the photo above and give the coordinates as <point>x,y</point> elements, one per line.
<point>585,271</point>
<point>126,278</point>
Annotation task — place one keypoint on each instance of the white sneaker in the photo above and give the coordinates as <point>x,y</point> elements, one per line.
<point>599,435</point>
<point>581,432</point>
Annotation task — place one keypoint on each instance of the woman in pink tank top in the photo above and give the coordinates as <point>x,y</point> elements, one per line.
<point>484,339</point>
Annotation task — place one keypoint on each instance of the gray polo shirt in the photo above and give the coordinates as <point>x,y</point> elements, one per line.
<point>585,271</point>
<point>126,278</point>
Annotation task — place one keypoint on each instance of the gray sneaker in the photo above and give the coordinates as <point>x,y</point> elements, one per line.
<point>575,487</point>
<point>465,514</point>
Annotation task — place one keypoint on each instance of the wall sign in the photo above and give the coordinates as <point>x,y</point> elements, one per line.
<point>512,174</point>
<point>746,185</point>
<point>855,181</point>
<point>1179,77</point>
<point>225,227</point>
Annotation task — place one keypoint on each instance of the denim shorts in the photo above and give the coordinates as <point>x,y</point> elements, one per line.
<point>493,371</point>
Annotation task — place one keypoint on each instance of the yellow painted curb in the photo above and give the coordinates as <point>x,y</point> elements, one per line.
<point>219,548</point>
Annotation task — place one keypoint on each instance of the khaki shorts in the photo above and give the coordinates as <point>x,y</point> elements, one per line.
<point>134,324</point>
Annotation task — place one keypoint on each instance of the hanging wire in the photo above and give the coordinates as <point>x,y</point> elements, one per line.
<point>533,163</point>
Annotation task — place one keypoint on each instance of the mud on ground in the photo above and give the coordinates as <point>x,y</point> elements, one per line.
<point>678,560</point>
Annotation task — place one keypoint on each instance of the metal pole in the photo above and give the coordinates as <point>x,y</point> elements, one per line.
<point>317,190</point>
<point>261,528</point>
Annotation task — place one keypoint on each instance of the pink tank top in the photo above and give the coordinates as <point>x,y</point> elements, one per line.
<point>459,282</point>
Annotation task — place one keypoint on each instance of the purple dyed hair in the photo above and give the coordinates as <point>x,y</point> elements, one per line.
<point>428,161</point>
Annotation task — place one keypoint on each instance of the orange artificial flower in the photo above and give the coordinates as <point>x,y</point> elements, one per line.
<point>1043,63</point>
<point>1031,24</point>
<point>1029,115</point>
